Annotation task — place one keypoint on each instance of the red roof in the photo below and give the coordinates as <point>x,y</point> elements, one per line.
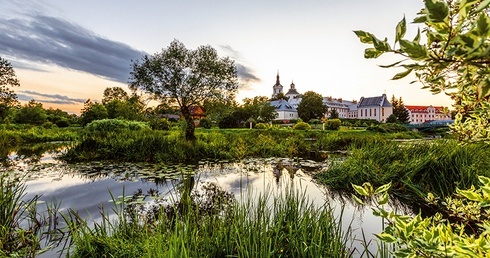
<point>423,109</point>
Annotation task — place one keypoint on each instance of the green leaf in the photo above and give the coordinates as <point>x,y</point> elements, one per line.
<point>401,29</point>
<point>483,25</point>
<point>391,65</point>
<point>383,188</point>
<point>483,5</point>
<point>372,53</point>
<point>468,40</point>
<point>484,180</point>
<point>417,37</point>
<point>381,45</point>
<point>414,49</point>
<point>360,190</point>
<point>402,74</point>
<point>420,19</point>
<point>383,199</point>
<point>385,237</point>
<point>437,11</point>
<point>470,195</point>
<point>357,199</point>
<point>365,37</point>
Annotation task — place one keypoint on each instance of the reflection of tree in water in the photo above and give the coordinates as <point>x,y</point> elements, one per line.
<point>290,167</point>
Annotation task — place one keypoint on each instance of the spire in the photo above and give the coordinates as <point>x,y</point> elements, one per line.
<point>292,84</point>
<point>277,78</point>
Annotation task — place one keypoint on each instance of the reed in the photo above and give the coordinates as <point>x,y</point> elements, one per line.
<point>414,168</point>
<point>285,225</point>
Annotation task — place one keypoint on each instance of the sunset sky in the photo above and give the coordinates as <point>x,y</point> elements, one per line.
<point>65,52</point>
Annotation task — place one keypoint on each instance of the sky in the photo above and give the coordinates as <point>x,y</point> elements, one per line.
<point>65,52</point>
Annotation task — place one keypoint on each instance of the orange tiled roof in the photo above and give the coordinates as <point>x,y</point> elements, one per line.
<point>422,109</point>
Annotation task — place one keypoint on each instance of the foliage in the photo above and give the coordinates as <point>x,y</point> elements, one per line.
<point>333,114</point>
<point>114,93</point>
<point>8,79</point>
<point>301,126</point>
<point>388,128</point>
<point>114,126</point>
<point>259,109</point>
<point>262,126</point>
<point>311,106</point>
<point>189,77</point>
<point>454,60</point>
<point>333,124</point>
<point>22,229</point>
<point>92,111</point>
<point>399,110</point>
<point>205,123</point>
<point>31,113</point>
<point>59,117</point>
<point>415,169</point>
<point>464,233</point>
<point>214,224</point>
<point>392,119</point>
<point>160,124</point>
<point>216,110</point>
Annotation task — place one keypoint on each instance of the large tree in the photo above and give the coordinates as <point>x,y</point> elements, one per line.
<point>311,106</point>
<point>454,58</point>
<point>259,109</point>
<point>190,77</point>
<point>8,79</point>
<point>399,110</point>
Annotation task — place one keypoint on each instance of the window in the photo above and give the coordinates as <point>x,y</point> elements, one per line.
<point>374,112</point>
<point>383,112</point>
<point>370,112</point>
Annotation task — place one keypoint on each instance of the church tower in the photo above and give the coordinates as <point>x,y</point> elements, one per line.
<point>277,88</point>
<point>292,92</point>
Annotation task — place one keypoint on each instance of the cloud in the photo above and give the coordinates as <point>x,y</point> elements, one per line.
<point>27,95</point>
<point>41,39</point>
<point>245,74</point>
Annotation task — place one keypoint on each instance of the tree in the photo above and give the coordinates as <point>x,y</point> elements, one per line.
<point>31,113</point>
<point>334,114</point>
<point>259,109</point>
<point>8,79</point>
<point>399,110</point>
<point>454,59</point>
<point>311,106</point>
<point>92,111</point>
<point>392,119</point>
<point>279,96</point>
<point>114,93</point>
<point>190,77</point>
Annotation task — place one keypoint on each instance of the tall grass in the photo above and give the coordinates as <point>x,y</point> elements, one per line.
<point>164,146</point>
<point>23,231</point>
<point>414,168</point>
<point>286,225</point>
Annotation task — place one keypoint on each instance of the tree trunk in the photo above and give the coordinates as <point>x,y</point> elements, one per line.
<point>189,129</point>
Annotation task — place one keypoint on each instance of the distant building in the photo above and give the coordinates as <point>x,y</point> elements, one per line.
<point>377,108</point>
<point>422,114</point>
<point>292,92</point>
<point>284,110</point>
<point>343,107</point>
<point>277,88</point>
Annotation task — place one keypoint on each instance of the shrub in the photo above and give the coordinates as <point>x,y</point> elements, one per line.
<point>262,126</point>
<point>315,122</point>
<point>301,126</point>
<point>105,126</point>
<point>388,128</point>
<point>160,124</point>
<point>333,124</point>
<point>205,123</point>
<point>47,125</point>
<point>62,123</point>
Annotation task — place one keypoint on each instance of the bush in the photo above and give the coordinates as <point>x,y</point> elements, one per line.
<point>47,125</point>
<point>315,122</point>
<point>262,126</point>
<point>160,124</point>
<point>62,123</point>
<point>333,124</point>
<point>105,126</point>
<point>301,126</point>
<point>205,123</point>
<point>388,128</point>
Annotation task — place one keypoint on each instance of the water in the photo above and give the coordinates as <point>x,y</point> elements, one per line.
<point>88,187</point>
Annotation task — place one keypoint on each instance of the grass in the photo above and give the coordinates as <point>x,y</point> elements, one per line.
<point>287,225</point>
<point>164,146</point>
<point>414,168</point>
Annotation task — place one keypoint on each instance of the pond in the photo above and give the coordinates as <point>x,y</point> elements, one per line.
<point>88,187</point>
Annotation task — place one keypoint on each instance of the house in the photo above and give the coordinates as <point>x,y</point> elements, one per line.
<point>197,113</point>
<point>343,107</point>
<point>422,114</point>
<point>284,110</point>
<point>377,108</point>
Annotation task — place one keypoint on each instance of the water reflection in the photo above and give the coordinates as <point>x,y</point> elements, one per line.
<point>89,186</point>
